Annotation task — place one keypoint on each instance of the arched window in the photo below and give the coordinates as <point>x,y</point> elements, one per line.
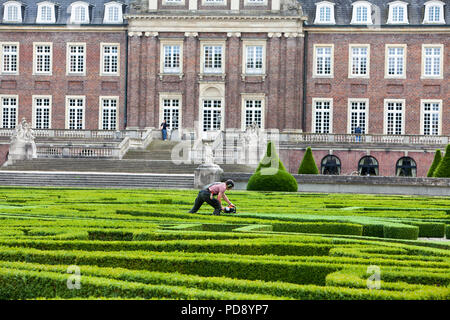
<point>398,12</point>
<point>46,12</point>
<point>406,167</point>
<point>434,12</point>
<point>12,11</point>
<point>325,12</point>
<point>362,12</point>
<point>368,166</point>
<point>79,12</point>
<point>113,13</point>
<point>330,165</point>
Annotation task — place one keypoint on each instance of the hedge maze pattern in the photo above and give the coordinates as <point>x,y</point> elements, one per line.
<point>142,244</point>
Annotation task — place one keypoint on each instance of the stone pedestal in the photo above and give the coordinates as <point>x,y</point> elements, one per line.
<point>207,173</point>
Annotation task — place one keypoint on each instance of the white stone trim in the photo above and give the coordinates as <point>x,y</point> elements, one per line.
<point>398,4</point>
<point>35,45</point>
<point>1,107</point>
<point>422,114</point>
<point>67,111</point>
<point>12,4</point>
<point>441,62</point>
<point>385,114</point>
<point>102,60</point>
<point>100,110</point>
<point>361,4</point>
<point>249,43</point>
<point>217,43</point>
<point>172,96</point>
<point>350,61</point>
<point>109,5</point>
<point>325,4</point>
<point>430,4</point>
<point>313,117</point>
<point>41,5</point>
<point>68,55</point>
<point>253,96</point>
<point>166,42</point>
<point>349,111</point>
<point>2,44</point>
<point>386,61</point>
<point>325,45</point>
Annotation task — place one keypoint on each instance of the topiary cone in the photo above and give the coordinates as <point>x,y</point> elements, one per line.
<point>436,160</point>
<point>443,168</point>
<point>308,164</point>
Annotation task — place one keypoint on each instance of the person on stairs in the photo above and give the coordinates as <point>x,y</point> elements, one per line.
<point>163,129</point>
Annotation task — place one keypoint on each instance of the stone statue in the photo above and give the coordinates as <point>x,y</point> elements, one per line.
<point>292,5</point>
<point>22,145</point>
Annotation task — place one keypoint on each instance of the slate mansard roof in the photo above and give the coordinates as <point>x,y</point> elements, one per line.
<point>62,11</point>
<point>343,11</point>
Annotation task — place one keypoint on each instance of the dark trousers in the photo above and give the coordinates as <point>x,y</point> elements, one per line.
<point>204,196</point>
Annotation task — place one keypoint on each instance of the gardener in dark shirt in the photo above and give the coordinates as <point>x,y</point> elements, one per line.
<point>207,195</point>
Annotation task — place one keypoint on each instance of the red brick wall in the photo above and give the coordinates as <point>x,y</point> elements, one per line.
<point>282,85</point>
<point>4,148</point>
<point>387,160</point>
<point>57,85</point>
<point>377,88</point>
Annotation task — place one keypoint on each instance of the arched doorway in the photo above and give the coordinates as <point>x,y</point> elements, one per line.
<point>368,166</point>
<point>330,165</point>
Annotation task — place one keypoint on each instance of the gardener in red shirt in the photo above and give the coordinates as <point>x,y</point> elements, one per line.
<point>207,194</point>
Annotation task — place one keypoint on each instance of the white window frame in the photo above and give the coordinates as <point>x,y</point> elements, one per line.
<point>35,107</point>
<point>398,5</point>
<point>386,64</point>
<point>385,116</point>
<point>253,43</point>
<point>422,115</point>
<point>321,75</point>
<point>73,13</point>
<point>113,5</point>
<point>102,59</point>
<point>166,43</point>
<point>214,71</point>
<point>1,108</point>
<point>68,56</point>
<point>350,61</point>
<point>214,2</point>
<point>313,125</point>
<point>173,2</point>
<point>324,5</point>
<point>251,96</point>
<point>171,96</point>
<point>2,57</point>
<point>82,107</point>
<point>41,6</point>
<point>349,115</point>
<point>255,3</point>
<point>363,5</point>
<point>100,111</point>
<point>9,5</point>
<point>441,62</point>
<point>430,4</point>
<point>35,55</point>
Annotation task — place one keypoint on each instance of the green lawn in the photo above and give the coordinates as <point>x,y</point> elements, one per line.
<point>143,244</point>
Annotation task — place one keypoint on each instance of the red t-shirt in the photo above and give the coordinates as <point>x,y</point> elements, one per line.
<point>217,188</point>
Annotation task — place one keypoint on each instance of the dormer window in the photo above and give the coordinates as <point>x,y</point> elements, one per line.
<point>113,13</point>
<point>325,12</point>
<point>398,12</point>
<point>79,12</point>
<point>362,13</point>
<point>434,12</point>
<point>46,13</point>
<point>12,12</point>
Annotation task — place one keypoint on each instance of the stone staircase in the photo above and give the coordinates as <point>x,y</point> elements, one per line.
<point>95,180</point>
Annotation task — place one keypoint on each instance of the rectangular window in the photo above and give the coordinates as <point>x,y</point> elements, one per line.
<point>76,58</point>
<point>171,112</point>
<point>110,59</point>
<point>396,61</point>
<point>75,113</point>
<point>361,14</point>
<point>322,116</point>
<point>254,63</point>
<point>109,113</point>
<point>253,113</point>
<point>359,61</point>
<point>10,58</point>
<point>394,117</point>
<point>432,59</point>
<point>43,59</point>
<point>9,105</point>
<point>212,59</point>
<point>172,55</point>
<point>358,113</point>
<point>323,65</point>
<point>212,115</point>
<point>431,117</point>
<point>41,112</point>
<point>325,14</point>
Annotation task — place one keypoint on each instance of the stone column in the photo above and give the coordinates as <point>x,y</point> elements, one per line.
<point>291,80</point>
